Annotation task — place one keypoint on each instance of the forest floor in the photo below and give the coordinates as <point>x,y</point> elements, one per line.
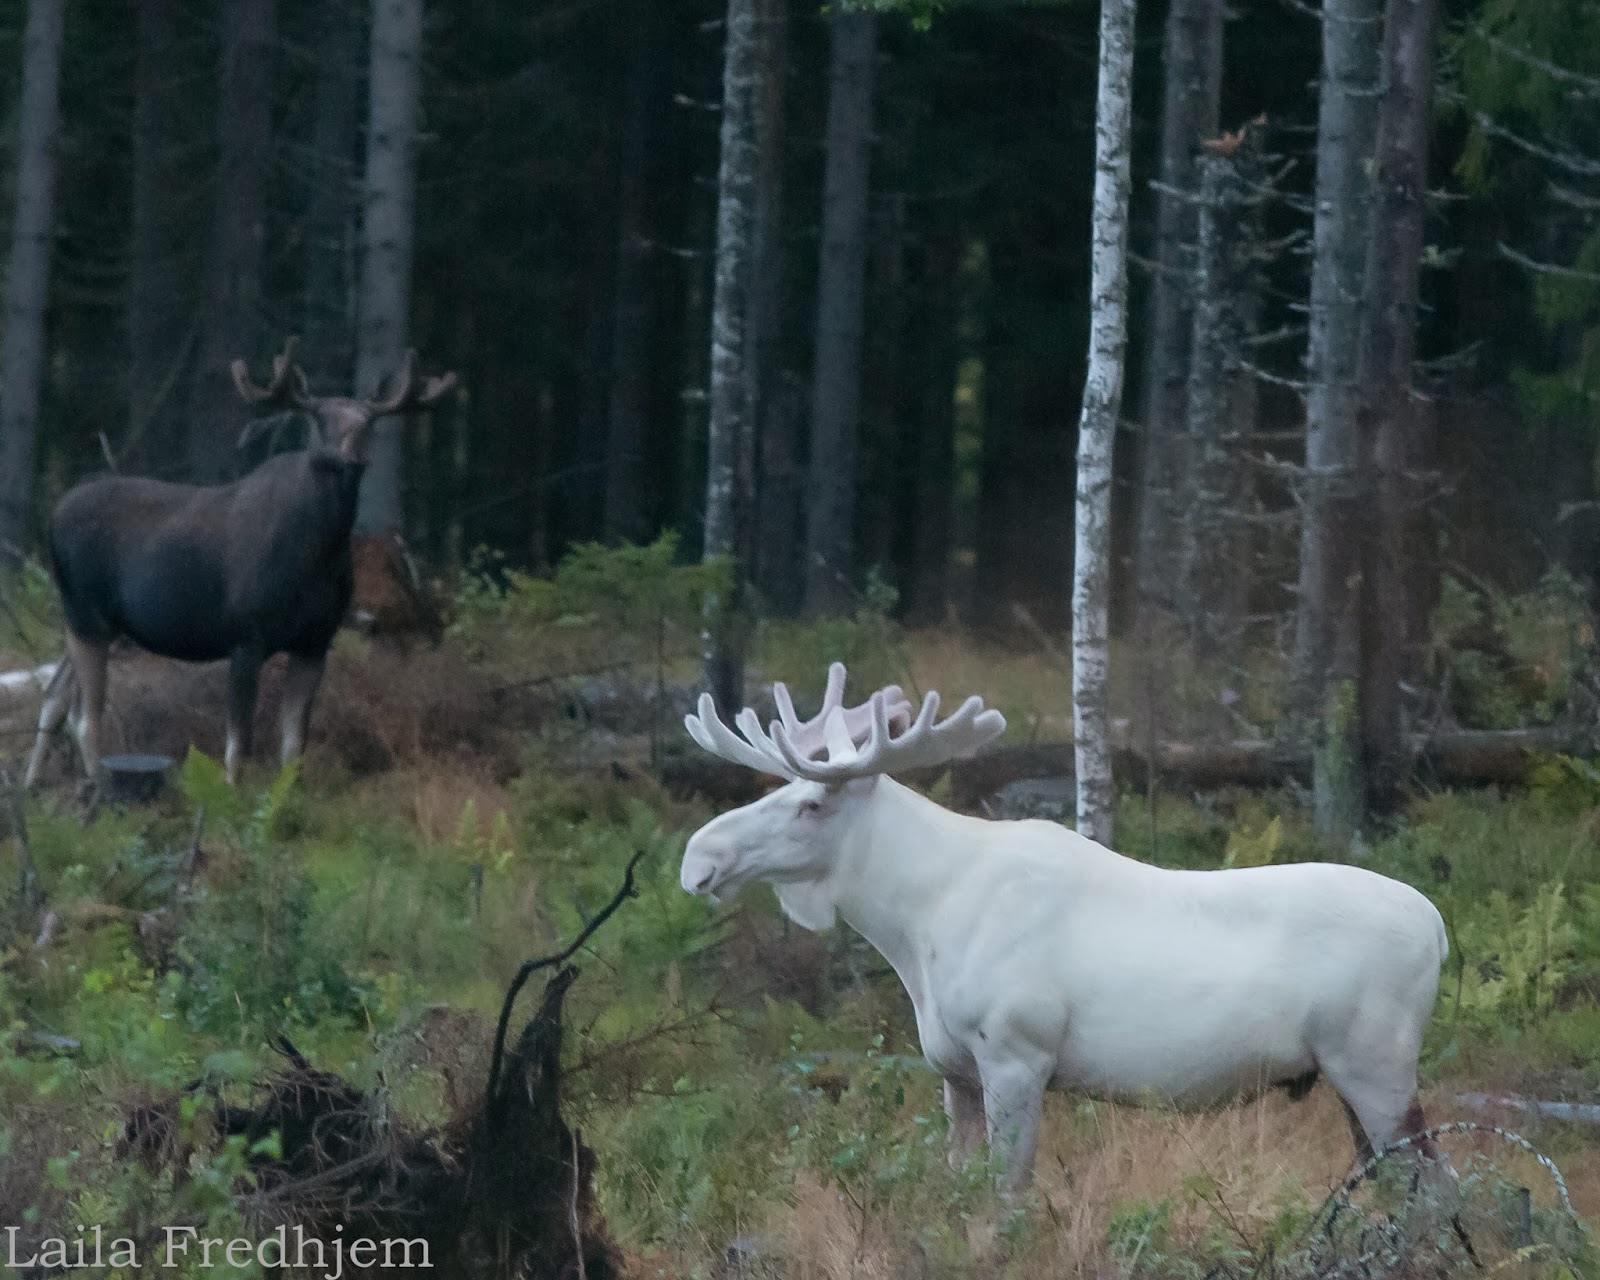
<point>751,1093</point>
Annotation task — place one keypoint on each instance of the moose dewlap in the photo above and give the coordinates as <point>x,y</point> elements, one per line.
<point>1037,959</point>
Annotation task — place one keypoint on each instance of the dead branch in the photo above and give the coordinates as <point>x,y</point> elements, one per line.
<point>30,890</point>
<point>1547,268</point>
<point>530,967</point>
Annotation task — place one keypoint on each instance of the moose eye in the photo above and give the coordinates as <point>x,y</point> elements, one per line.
<point>808,807</point>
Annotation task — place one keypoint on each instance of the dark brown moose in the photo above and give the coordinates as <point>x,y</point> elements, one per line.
<point>239,571</point>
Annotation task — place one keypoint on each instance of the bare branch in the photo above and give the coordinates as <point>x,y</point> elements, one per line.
<point>1547,268</point>
<point>1589,86</point>
<point>1574,199</point>
<point>1571,161</point>
<point>530,967</point>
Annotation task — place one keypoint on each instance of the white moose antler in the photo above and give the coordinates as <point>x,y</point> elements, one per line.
<point>810,736</point>
<point>758,750</point>
<point>878,736</point>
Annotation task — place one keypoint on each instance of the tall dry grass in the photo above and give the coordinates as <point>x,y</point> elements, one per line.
<point>1218,1178</point>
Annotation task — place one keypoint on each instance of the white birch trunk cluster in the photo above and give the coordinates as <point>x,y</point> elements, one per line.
<point>1097,427</point>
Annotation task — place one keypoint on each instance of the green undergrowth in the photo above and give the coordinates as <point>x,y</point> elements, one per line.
<point>317,913</point>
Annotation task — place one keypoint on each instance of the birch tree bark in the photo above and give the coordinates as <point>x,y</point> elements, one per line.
<point>1388,418</point>
<point>1097,425</point>
<point>730,444</point>
<point>836,386</point>
<point>1191,56</point>
<point>1325,634</point>
<point>28,284</point>
<point>390,209</point>
<point>230,309</point>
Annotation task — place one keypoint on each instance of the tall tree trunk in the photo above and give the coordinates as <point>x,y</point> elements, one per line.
<point>930,397</point>
<point>1097,427</point>
<point>694,374</point>
<point>1191,53</point>
<point>730,446</point>
<point>28,284</point>
<point>155,311</point>
<point>231,305</point>
<point>390,201</point>
<point>625,487</point>
<point>1325,639</point>
<point>836,387</point>
<point>1212,582</point>
<point>329,324</point>
<point>1388,418</point>
<point>774,407</point>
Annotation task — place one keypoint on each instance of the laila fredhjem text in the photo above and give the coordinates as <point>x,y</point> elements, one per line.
<point>287,1246</point>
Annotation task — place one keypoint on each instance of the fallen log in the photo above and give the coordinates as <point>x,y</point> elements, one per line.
<point>1566,1112</point>
<point>1458,757</point>
<point>28,680</point>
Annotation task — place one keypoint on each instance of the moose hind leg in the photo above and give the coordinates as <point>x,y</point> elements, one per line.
<point>244,673</point>
<point>1384,1112</point>
<point>88,658</point>
<point>301,680</point>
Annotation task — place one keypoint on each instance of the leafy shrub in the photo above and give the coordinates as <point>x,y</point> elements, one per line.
<point>1514,961</point>
<point>882,1144</point>
<point>30,614</point>
<point>604,608</point>
<point>255,952</point>
<point>1504,659</point>
<point>691,1168</point>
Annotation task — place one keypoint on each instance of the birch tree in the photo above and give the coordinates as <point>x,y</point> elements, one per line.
<point>28,284</point>
<point>231,305</point>
<point>836,386</point>
<point>1325,654</point>
<point>730,446</point>
<point>1191,59</point>
<point>1097,425</point>
<point>390,189</point>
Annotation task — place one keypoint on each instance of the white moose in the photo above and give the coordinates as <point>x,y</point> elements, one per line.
<point>1037,959</point>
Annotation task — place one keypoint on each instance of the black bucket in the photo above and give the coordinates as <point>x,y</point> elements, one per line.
<point>133,779</point>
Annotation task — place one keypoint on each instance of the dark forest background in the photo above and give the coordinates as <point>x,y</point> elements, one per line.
<point>566,184</point>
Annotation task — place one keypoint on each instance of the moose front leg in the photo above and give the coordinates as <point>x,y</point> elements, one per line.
<point>244,672</point>
<point>963,1103</point>
<point>88,658</point>
<point>300,683</point>
<point>1013,1101</point>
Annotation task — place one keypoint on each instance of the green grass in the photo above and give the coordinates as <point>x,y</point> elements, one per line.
<point>324,912</point>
